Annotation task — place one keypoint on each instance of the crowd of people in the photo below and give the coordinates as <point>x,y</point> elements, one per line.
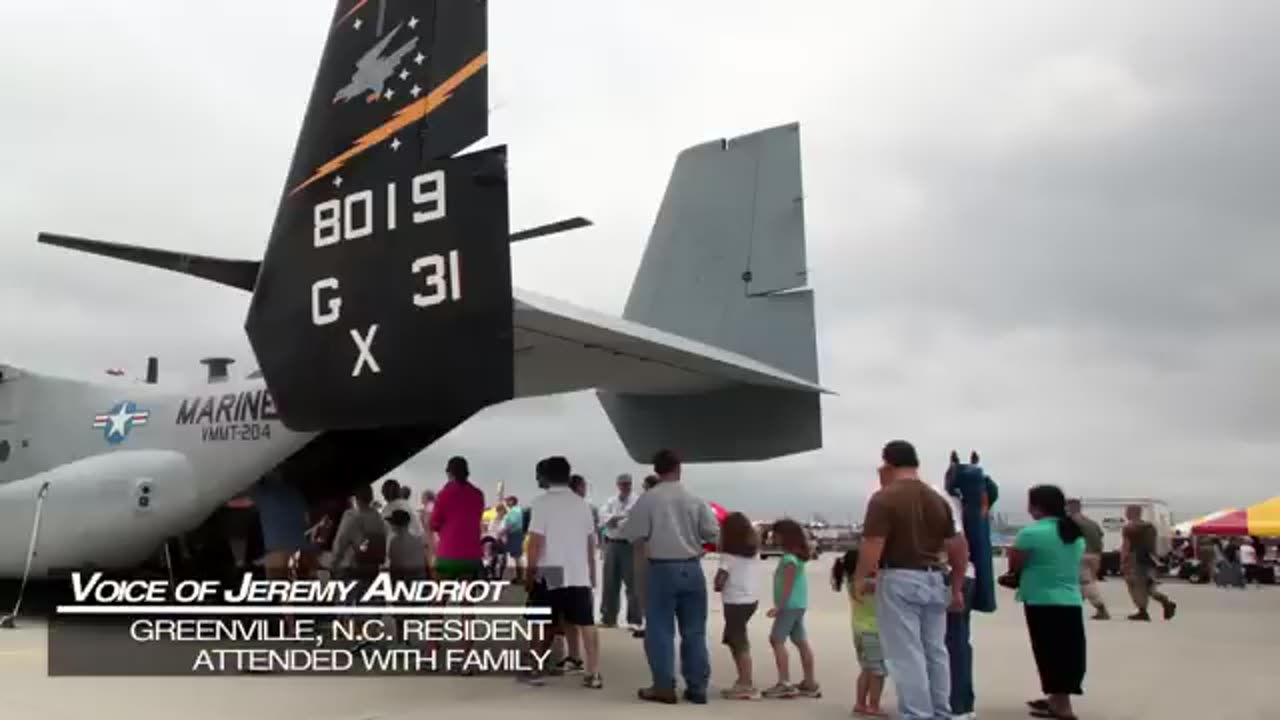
<point>1227,562</point>
<point>911,584</point>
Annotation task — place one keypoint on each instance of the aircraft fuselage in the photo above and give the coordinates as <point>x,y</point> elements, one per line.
<point>126,465</point>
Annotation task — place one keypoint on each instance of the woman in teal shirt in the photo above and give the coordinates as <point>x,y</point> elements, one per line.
<point>1046,559</point>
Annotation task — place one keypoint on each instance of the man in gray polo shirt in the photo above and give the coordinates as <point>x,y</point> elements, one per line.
<point>674,525</point>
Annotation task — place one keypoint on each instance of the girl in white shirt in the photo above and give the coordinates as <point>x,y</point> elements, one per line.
<point>736,581</point>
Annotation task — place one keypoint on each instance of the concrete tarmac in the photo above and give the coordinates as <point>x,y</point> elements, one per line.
<point>1212,661</point>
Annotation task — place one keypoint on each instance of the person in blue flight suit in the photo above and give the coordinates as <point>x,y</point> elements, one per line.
<point>976,493</point>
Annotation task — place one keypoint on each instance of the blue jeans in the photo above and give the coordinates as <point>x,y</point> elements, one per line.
<point>911,608</point>
<point>960,652</point>
<point>676,593</point>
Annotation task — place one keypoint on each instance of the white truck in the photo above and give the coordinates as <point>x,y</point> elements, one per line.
<point>1108,512</point>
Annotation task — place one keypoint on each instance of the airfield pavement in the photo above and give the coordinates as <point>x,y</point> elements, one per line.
<point>1211,661</point>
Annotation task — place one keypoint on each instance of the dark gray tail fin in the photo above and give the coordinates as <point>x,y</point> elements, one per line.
<point>725,265</point>
<point>384,298</point>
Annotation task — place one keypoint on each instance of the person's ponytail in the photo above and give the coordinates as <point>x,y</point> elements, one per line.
<point>1050,501</point>
<point>1068,529</point>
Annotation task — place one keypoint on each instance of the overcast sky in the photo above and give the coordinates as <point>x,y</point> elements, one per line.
<point>1050,234</point>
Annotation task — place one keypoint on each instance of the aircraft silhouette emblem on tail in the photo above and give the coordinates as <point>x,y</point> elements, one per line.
<point>374,69</point>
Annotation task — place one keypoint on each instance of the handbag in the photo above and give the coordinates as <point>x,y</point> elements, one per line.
<point>1009,580</point>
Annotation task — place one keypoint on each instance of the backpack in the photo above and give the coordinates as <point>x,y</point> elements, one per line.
<point>524,520</point>
<point>371,551</point>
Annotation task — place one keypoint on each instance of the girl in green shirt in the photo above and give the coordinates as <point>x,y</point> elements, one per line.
<point>790,600</point>
<point>1045,558</point>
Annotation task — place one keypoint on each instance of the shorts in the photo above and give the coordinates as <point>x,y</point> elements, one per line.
<point>572,606</point>
<point>515,546</point>
<point>870,654</point>
<point>788,624</point>
<point>736,617</point>
<point>447,569</point>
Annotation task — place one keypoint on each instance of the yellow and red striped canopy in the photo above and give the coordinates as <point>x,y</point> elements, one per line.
<point>1262,520</point>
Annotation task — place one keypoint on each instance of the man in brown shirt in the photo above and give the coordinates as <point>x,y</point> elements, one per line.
<point>909,533</point>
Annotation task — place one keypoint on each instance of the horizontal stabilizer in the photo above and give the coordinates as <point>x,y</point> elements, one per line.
<point>739,424</point>
<point>236,273</point>
<point>241,274</point>
<point>551,229</point>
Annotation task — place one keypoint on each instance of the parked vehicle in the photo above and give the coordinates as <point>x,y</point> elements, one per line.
<point>1109,513</point>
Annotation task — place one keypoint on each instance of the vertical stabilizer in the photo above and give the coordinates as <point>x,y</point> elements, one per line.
<point>726,258</point>
<point>725,265</point>
<point>384,298</point>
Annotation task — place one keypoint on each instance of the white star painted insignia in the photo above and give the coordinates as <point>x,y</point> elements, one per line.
<point>404,74</point>
<point>337,181</point>
<point>395,144</point>
<point>418,60</point>
<point>357,23</point>
<point>389,93</point>
<point>119,420</point>
<point>413,23</point>
<point>415,90</point>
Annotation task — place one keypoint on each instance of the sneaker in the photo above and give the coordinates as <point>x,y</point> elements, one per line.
<point>739,692</point>
<point>1170,609</point>
<point>532,678</point>
<point>593,681</point>
<point>570,666</point>
<point>1140,617</point>
<point>814,691</point>
<point>780,691</point>
<point>695,697</point>
<point>1102,614</point>
<point>638,633</point>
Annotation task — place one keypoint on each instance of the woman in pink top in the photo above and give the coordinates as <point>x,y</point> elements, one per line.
<point>456,518</point>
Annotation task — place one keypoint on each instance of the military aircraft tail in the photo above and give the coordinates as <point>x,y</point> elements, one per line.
<point>384,298</point>
<point>725,265</point>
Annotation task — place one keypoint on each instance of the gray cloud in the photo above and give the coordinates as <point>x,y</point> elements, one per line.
<point>1044,233</point>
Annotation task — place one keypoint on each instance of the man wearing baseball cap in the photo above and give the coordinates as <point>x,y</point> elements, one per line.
<point>910,534</point>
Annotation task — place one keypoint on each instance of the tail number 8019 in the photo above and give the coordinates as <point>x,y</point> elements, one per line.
<point>352,218</point>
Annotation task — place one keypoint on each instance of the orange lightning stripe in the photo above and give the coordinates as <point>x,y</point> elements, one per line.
<point>351,12</point>
<point>403,118</point>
